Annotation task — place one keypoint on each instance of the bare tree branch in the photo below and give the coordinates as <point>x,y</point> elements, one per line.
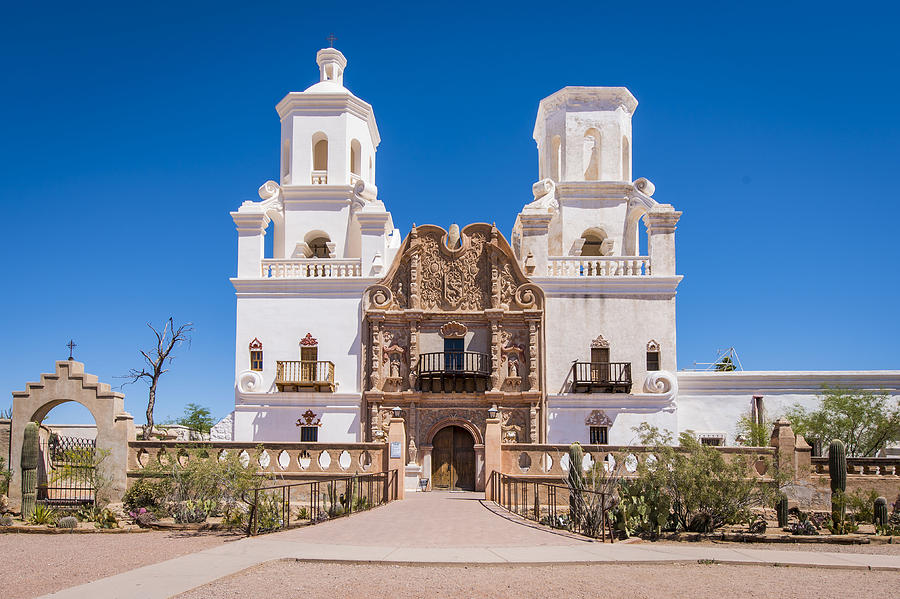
<point>167,340</point>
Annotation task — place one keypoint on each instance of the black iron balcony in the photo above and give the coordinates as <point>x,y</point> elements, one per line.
<point>453,371</point>
<point>601,377</point>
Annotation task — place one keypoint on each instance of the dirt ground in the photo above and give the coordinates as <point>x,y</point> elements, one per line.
<point>33,564</point>
<point>878,549</point>
<point>291,579</point>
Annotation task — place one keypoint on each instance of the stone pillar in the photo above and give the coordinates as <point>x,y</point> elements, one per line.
<point>375,321</point>
<point>397,434</point>
<point>373,233</point>
<point>792,450</point>
<point>251,228</point>
<point>492,454</point>
<point>425,450</point>
<point>660,223</point>
<point>536,241</point>
<point>479,467</point>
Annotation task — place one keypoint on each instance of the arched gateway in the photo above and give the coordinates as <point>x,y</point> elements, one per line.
<point>69,382</point>
<point>453,331</point>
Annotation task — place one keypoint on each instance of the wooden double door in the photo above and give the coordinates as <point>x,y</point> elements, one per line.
<point>453,459</point>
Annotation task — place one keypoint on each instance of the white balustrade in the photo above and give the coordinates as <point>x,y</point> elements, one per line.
<point>311,268</point>
<point>598,266</point>
<point>320,177</point>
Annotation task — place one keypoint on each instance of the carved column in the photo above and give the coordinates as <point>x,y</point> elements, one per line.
<point>414,271</point>
<point>375,321</point>
<point>532,355</point>
<point>413,352</point>
<point>533,423</point>
<point>374,421</point>
<point>495,355</point>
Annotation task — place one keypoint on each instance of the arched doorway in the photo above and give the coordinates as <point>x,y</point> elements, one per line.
<point>453,459</point>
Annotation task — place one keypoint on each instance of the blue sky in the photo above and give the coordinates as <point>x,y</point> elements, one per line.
<point>130,131</point>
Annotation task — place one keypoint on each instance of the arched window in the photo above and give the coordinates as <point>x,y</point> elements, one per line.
<point>256,355</point>
<point>555,158</point>
<point>355,161</point>
<point>592,155</point>
<point>626,159</point>
<point>320,155</point>
<point>318,247</point>
<point>595,243</point>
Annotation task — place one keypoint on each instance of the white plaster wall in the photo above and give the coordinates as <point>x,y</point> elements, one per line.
<point>566,422</point>
<point>331,217</point>
<point>340,128</point>
<point>281,322</point>
<point>714,401</point>
<point>612,125</point>
<point>262,418</point>
<point>628,323</point>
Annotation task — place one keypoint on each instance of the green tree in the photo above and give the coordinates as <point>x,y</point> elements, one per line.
<point>752,432</point>
<point>865,421</point>
<point>197,418</point>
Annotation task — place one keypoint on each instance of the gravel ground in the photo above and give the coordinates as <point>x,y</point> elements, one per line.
<point>34,564</point>
<point>893,549</point>
<point>285,579</point>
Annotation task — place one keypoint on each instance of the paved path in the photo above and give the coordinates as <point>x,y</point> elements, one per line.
<point>434,528</point>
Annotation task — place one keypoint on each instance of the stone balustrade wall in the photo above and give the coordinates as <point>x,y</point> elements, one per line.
<point>551,461</point>
<point>285,460</point>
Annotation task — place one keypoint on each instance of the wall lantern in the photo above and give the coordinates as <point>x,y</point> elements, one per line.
<point>397,412</point>
<point>492,411</point>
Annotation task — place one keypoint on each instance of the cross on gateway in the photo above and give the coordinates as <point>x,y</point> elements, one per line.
<point>71,345</point>
<point>331,37</point>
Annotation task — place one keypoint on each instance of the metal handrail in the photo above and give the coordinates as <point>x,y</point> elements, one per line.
<point>377,488</point>
<point>541,502</point>
<point>454,362</point>
<point>613,372</point>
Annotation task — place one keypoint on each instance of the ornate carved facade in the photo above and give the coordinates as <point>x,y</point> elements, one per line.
<point>452,329</point>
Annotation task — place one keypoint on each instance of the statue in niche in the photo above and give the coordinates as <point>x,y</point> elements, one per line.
<point>395,366</point>
<point>512,366</point>
<point>412,451</point>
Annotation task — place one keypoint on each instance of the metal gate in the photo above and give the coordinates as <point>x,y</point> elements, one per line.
<point>66,471</point>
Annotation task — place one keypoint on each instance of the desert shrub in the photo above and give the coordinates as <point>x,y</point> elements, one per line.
<point>803,528</point>
<point>43,515</point>
<point>706,491</point>
<point>5,475</point>
<point>142,517</point>
<point>106,518</point>
<point>189,512</point>
<point>68,522</point>
<point>861,504</point>
<point>147,493</point>
<point>268,512</point>
<point>6,520</point>
<point>302,513</point>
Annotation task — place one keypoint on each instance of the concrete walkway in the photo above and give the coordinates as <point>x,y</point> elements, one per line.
<point>434,528</point>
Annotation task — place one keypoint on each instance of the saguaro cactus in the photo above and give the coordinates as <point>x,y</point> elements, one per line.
<point>837,471</point>
<point>575,479</point>
<point>881,512</point>
<point>781,509</point>
<point>30,458</point>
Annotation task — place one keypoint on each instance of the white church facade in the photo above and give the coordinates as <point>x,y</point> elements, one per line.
<point>565,327</point>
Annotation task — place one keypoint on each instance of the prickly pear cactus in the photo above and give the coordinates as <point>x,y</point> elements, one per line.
<point>30,458</point>
<point>781,509</point>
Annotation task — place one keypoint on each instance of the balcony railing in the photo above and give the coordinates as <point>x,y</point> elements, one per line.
<point>296,375</point>
<point>601,377</point>
<point>319,177</point>
<point>453,371</point>
<point>311,268</point>
<point>598,266</point>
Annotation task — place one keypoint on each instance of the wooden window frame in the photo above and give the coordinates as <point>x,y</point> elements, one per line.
<point>653,359</point>
<point>309,431</point>
<point>256,360</point>
<point>601,437</point>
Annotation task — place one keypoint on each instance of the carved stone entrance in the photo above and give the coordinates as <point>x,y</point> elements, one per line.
<point>453,459</point>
